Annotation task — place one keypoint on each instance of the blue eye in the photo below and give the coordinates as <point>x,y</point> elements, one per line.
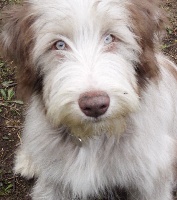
<point>60,45</point>
<point>109,39</point>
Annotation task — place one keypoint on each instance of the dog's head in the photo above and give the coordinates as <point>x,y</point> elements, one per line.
<point>87,60</point>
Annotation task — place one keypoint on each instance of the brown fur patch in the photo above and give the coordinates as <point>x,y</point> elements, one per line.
<point>148,24</point>
<point>17,41</point>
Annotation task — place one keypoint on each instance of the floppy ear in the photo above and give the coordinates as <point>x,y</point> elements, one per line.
<point>16,44</point>
<point>148,26</point>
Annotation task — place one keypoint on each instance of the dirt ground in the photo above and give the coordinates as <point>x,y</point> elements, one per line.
<point>14,187</point>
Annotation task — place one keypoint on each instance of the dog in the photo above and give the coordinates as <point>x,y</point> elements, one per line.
<point>102,98</point>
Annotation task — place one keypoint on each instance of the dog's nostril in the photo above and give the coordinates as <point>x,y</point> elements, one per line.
<point>94,104</point>
<point>86,109</point>
<point>103,106</point>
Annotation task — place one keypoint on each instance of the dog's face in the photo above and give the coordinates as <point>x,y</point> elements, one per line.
<point>88,60</point>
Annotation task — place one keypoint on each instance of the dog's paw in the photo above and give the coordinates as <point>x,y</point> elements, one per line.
<point>24,165</point>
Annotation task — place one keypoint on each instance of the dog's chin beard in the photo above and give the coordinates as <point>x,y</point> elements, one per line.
<point>82,131</point>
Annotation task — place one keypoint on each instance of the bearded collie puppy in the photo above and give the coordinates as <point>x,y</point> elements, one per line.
<point>102,98</point>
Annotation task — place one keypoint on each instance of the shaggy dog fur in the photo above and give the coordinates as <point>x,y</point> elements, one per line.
<point>102,98</point>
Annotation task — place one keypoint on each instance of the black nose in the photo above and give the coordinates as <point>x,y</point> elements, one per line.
<point>94,104</point>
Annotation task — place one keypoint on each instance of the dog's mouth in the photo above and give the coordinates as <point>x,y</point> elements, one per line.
<point>81,132</point>
<point>95,120</point>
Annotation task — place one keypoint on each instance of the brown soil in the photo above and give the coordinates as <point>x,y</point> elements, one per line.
<point>14,187</point>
